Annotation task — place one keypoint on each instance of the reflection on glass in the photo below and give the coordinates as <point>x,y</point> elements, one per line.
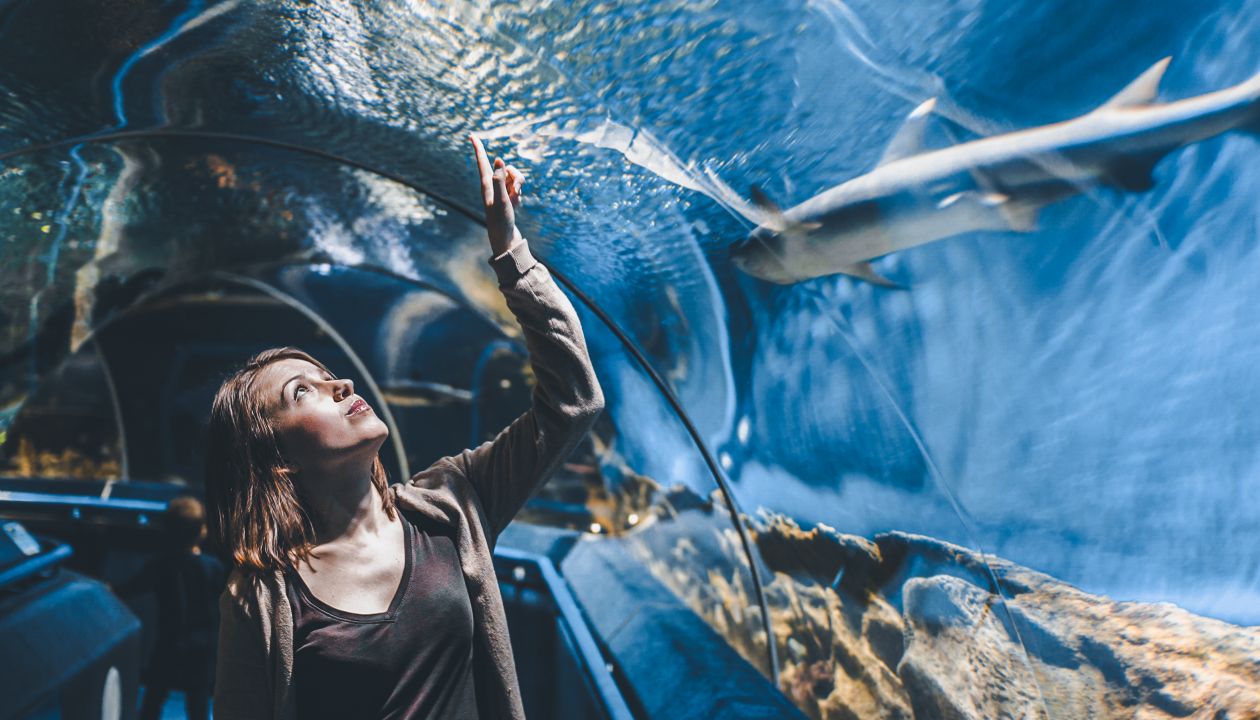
<point>68,427</point>
<point>1019,487</point>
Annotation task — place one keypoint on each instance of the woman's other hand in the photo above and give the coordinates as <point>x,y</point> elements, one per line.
<point>501,195</point>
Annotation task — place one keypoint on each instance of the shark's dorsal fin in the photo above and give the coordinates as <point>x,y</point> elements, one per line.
<point>909,138</point>
<point>1141,91</point>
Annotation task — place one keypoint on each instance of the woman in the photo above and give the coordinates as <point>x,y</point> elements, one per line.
<point>352,598</point>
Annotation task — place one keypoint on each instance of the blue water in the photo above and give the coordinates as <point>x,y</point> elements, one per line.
<point>1083,391</point>
<point>1079,400</point>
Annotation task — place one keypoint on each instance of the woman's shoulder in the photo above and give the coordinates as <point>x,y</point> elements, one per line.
<point>445,480</point>
<point>440,492</point>
<point>252,592</point>
<point>445,476</point>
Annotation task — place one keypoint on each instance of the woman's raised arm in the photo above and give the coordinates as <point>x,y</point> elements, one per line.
<point>567,398</point>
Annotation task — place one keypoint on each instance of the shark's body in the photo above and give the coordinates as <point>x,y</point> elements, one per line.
<point>999,183</point>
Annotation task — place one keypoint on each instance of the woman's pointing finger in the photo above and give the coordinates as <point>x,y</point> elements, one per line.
<point>483,169</point>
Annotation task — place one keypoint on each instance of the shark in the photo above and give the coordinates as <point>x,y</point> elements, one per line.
<point>916,195</point>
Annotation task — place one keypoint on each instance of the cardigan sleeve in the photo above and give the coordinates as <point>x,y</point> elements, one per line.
<point>566,398</point>
<point>242,688</point>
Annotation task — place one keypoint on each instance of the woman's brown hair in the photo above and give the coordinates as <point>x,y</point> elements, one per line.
<point>256,514</point>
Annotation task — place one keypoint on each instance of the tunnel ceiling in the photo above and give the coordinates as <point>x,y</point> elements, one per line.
<point>1076,399</point>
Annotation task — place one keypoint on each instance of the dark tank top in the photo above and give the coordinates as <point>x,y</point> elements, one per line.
<point>413,661</point>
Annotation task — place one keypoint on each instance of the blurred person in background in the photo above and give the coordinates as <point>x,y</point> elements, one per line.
<point>187,584</point>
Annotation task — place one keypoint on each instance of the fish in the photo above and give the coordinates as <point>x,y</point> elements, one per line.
<point>916,195</point>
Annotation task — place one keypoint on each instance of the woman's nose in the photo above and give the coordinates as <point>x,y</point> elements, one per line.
<point>345,387</point>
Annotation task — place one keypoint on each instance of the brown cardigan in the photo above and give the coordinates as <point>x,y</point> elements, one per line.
<point>477,492</point>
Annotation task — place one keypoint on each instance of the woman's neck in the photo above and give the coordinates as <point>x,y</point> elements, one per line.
<point>342,505</point>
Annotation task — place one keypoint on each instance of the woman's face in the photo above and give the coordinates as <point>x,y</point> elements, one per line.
<point>318,420</point>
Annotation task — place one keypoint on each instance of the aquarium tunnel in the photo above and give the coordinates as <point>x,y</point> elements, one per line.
<point>1004,470</point>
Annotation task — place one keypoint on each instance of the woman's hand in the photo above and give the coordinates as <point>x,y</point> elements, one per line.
<point>501,195</point>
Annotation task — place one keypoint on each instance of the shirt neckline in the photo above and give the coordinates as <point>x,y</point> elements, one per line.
<point>389,614</point>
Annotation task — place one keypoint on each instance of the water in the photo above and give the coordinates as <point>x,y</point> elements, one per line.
<point>1078,400</point>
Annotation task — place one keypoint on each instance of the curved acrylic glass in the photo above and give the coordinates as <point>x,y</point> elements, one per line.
<point>973,495</point>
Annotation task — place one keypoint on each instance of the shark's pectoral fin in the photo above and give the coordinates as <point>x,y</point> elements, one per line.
<point>1136,174</point>
<point>1141,91</point>
<point>864,271</point>
<point>1252,123</point>
<point>1020,216</point>
<point>993,211</point>
<point>1253,126</point>
<point>1003,213</point>
<point>909,139</point>
<point>1129,179</point>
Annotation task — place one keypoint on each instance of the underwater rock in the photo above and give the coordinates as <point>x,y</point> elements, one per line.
<point>958,663</point>
<point>917,628</point>
<point>1051,650</point>
<point>822,554</point>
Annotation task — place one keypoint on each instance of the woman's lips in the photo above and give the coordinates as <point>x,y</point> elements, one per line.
<point>357,407</point>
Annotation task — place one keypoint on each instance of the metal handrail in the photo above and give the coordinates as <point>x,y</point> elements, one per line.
<point>35,564</point>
